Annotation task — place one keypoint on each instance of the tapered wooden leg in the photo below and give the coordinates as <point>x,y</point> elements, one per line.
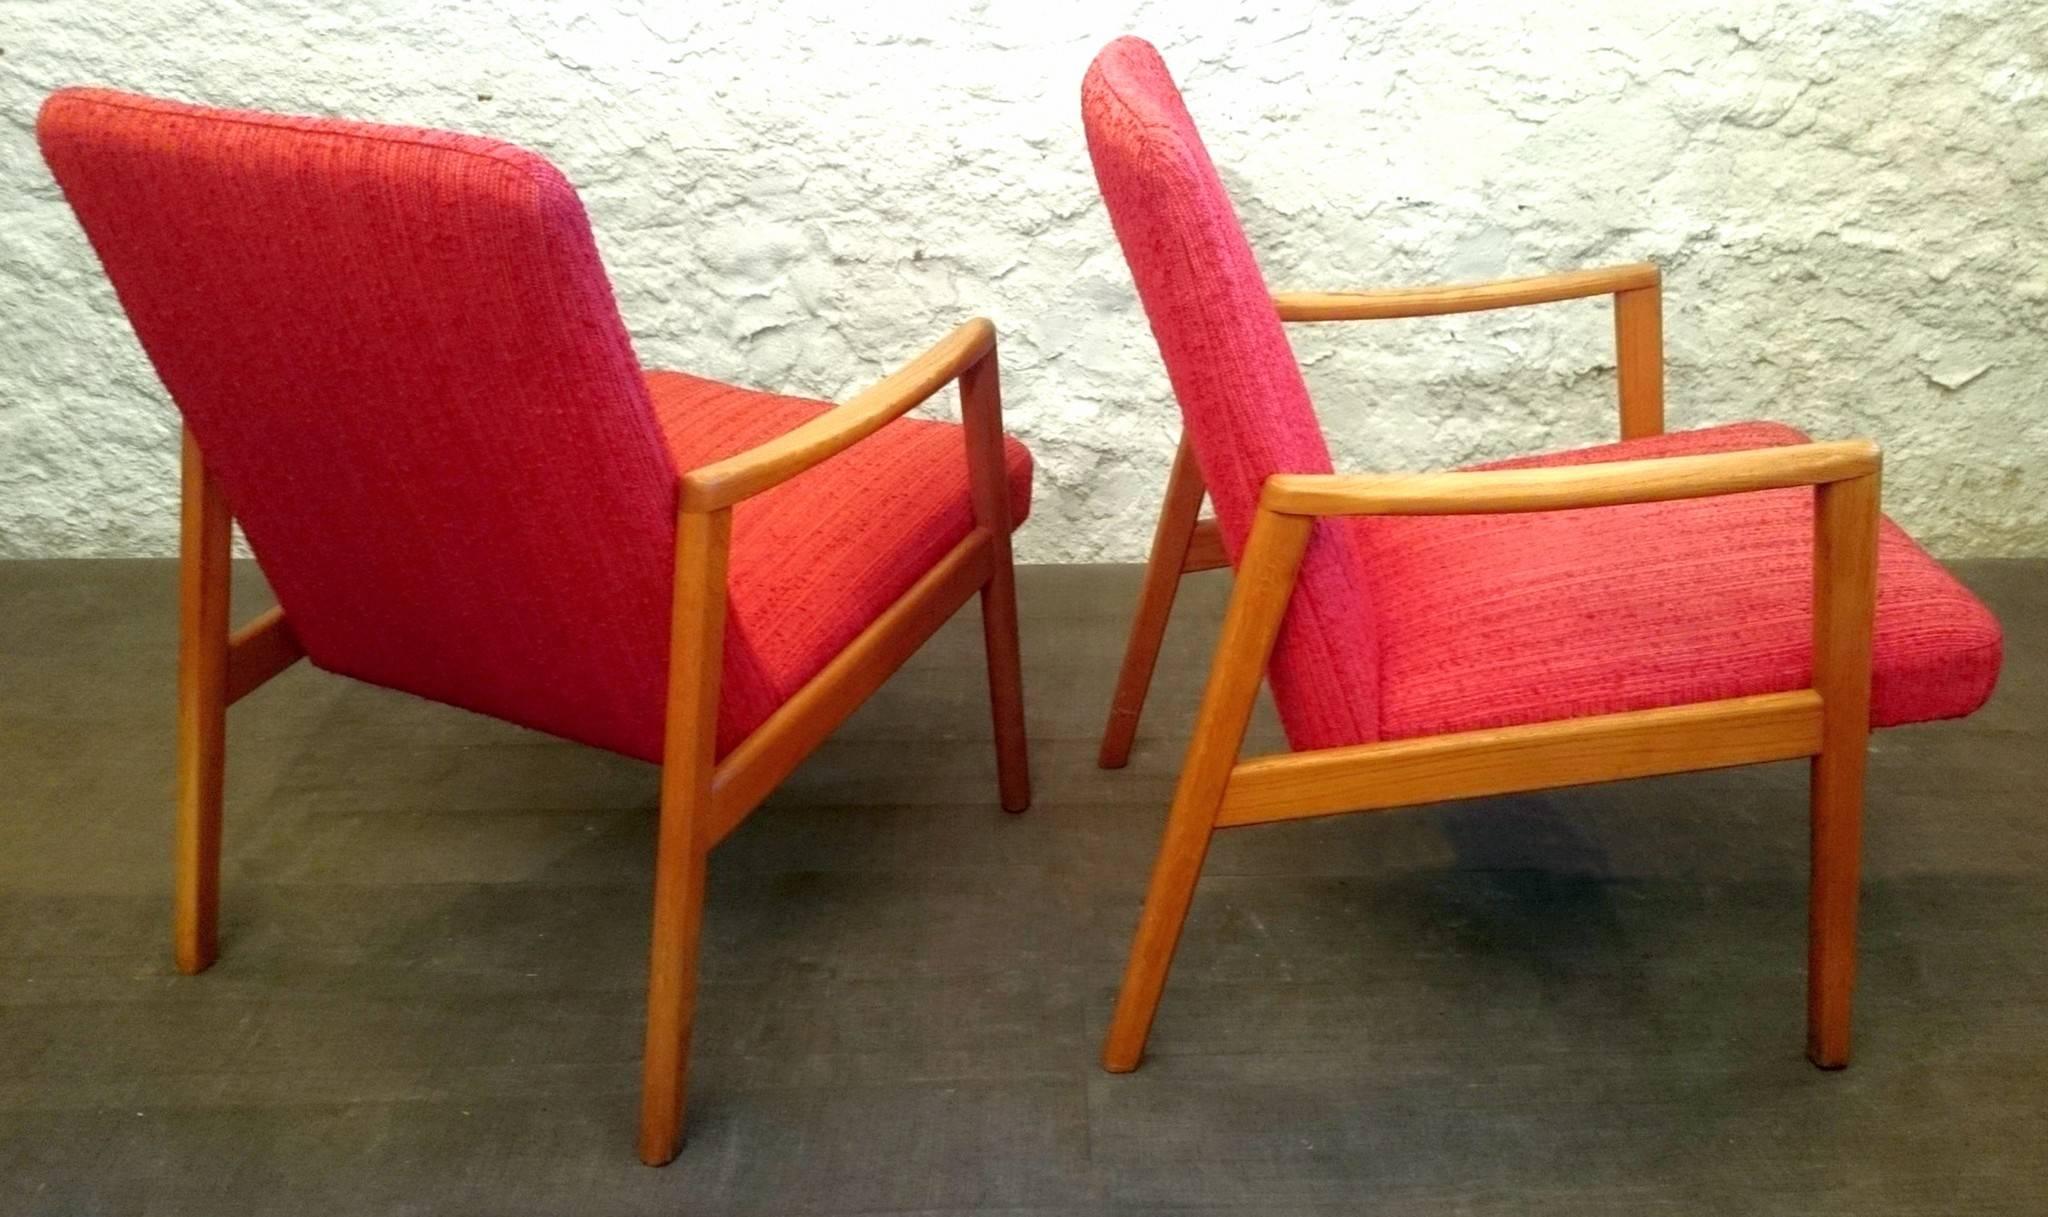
<point>1163,571</point>
<point>981,414</point>
<point>1844,598</point>
<point>1257,603</point>
<point>204,532</point>
<point>696,654</point>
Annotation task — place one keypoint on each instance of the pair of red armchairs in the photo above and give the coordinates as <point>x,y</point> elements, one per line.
<point>401,370</point>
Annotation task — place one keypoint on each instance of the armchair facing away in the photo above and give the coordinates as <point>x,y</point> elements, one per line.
<point>1669,603</point>
<point>401,369</point>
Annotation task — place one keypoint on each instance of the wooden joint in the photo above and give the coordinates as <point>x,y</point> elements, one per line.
<point>1205,548</point>
<point>261,649</point>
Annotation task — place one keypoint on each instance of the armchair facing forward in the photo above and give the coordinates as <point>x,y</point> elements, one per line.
<point>1672,602</point>
<point>401,369</point>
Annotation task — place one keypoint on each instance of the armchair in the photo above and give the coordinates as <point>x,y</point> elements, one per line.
<point>401,369</point>
<point>1669,603</point>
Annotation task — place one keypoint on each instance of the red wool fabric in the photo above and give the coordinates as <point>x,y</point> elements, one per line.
<point>1417,626</point>
<point>819,557</point>
<point>1493,621</point>
<point>1241,394</point>
<point>400,354</point>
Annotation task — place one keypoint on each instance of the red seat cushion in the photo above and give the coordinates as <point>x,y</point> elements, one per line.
<point>1491,621</point>
<point>818,558</point>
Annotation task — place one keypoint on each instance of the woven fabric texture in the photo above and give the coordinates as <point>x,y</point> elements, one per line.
<point>1241,395</point>
<point>817,558</point>
<point>1492,621</point>
<point>401,357</point>
<point>1406,627</point>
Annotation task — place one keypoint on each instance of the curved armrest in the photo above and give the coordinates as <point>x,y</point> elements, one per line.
<point>723,483</point>
<point>1638,321</point>
<point>1464,297</point>
<point>1555,488</point>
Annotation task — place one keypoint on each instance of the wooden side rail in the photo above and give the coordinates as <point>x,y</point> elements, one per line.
<point>1475,764</point>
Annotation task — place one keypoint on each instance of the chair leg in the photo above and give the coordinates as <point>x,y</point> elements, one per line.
<point>1006,684</point>
<point>204,533</point>
<point>1845,591</point>
<point>1257,601</point>
<point>696,656</point>
<point>1189,825</point>
<point>981,416</point>
<point>1837,813</point>
<point>672,977</point>
<point>1163,571</point>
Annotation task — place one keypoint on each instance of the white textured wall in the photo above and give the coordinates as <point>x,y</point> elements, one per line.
<point>1850,200</point>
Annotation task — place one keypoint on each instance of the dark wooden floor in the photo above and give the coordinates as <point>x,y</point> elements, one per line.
<point>1585,1002</point>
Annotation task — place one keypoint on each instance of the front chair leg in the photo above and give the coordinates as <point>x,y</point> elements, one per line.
<point>1845,589</point>
<point>696,656</point>
<point>204,534</point>
<point>1258,600</point>
<point>1178,516</point>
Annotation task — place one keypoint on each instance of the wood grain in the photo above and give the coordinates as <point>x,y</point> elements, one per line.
<point>1463,297</point>
<point>1556,488</point>
<point>1258,601</point>
<point>695,662</point>
<point>1572,752</point>
<point>981,418</point>
<point>1639,360</point>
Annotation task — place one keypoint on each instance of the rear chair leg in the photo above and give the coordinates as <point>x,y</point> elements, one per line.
<point>204,531</point>
<point>1163,570</point>
<point>981,415</point>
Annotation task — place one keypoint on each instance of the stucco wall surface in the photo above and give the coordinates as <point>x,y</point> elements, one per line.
<point>1849,198</point>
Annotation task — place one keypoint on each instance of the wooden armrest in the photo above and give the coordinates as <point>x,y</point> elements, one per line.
<point>1555,488</point>
<point>722,483</point>
<point>1464,297</point>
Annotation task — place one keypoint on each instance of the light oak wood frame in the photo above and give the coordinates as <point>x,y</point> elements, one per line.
<point>1828,722</point>
<point>1185,543</point>
<point>703,798</point>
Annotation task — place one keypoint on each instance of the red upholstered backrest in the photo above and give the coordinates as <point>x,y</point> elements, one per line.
<point>1240,390</point>
<point>401,359</point>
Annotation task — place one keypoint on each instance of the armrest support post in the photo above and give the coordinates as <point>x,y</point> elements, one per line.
<point>1639,359</point>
